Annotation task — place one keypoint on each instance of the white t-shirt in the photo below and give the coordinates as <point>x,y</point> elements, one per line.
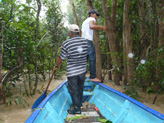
<point>87,33</point>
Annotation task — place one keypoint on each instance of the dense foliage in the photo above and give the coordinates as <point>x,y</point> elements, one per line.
<point>19,22</point>
<point>20,46</point>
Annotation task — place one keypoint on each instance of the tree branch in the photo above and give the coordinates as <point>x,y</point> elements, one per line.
<point>9,73</point>
<point>11,12</point>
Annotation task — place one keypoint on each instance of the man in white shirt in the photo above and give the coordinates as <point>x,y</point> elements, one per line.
<point>88,27</point>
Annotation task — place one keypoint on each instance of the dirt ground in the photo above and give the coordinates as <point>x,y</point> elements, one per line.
<point>16,114</point>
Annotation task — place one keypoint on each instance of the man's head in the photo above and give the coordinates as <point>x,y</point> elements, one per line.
<point>93,13</point>
<point>74,30</point>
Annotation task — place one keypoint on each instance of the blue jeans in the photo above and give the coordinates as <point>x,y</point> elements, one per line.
<point>92,59</point>
<point>76,83</point>
<point>75,88</point>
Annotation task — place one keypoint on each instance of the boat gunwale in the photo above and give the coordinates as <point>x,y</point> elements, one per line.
<point>150,110</point>
<point>34,114</point>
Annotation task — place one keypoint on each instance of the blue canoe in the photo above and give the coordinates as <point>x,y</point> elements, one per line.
<point>113,105</point>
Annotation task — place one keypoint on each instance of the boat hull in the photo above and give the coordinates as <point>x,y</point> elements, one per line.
<point>113,105</point>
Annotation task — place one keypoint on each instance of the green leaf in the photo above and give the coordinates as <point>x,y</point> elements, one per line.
<point>148,89</point>
<point>102,120</point>
<point>12,53</point>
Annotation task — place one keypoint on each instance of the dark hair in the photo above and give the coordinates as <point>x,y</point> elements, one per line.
<point>93,12</point>
<point>75,33</point>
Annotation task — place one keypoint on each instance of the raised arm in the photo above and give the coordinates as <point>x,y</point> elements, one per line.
<point>96,27</point>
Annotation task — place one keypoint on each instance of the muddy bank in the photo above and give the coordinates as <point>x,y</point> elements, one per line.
<point>16,114</point>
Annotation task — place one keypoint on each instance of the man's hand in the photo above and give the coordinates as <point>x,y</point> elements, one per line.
<point>58,61</point>
<point>104,28</point>
<point>55,68</point>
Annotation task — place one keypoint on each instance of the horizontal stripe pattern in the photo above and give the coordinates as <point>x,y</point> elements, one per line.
<point>75,50</point>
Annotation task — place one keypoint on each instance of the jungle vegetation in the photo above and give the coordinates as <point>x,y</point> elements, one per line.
<point>129,52</point>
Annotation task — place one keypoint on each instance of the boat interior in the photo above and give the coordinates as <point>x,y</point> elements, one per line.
<point>109,104</point>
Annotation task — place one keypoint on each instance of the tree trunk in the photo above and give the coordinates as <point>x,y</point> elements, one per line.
<point>127,45</point>
<point>98,55</point>
<point>161,23</point>
<point>160,38</point>
<point>155,26</point>
<point>36,36</point>
<point>111,35</point>
<point>11,72</point>
<point>97,46</point>
<point>144,42</point>
<point>109,60</point>
<point>152,19</point>
<point>74,12</point>
<point>2,93</point>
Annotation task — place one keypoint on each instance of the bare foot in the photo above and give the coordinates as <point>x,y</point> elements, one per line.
<point>96,79</point>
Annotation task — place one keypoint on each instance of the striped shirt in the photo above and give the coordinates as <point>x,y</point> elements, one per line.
<point>75,50</point>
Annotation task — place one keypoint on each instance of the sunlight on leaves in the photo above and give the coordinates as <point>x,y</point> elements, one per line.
<point>130,55</point>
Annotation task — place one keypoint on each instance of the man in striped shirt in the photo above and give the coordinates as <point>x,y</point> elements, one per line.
<point>75,50</point>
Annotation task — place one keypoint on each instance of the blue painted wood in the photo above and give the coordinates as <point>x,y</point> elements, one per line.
<point>39,100</point>
<point>113,105</point>
<point>53,107</point>
<point>117,107</point>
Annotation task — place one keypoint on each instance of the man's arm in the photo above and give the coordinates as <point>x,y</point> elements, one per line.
<point>58,61</point>
<point>96,27</point>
